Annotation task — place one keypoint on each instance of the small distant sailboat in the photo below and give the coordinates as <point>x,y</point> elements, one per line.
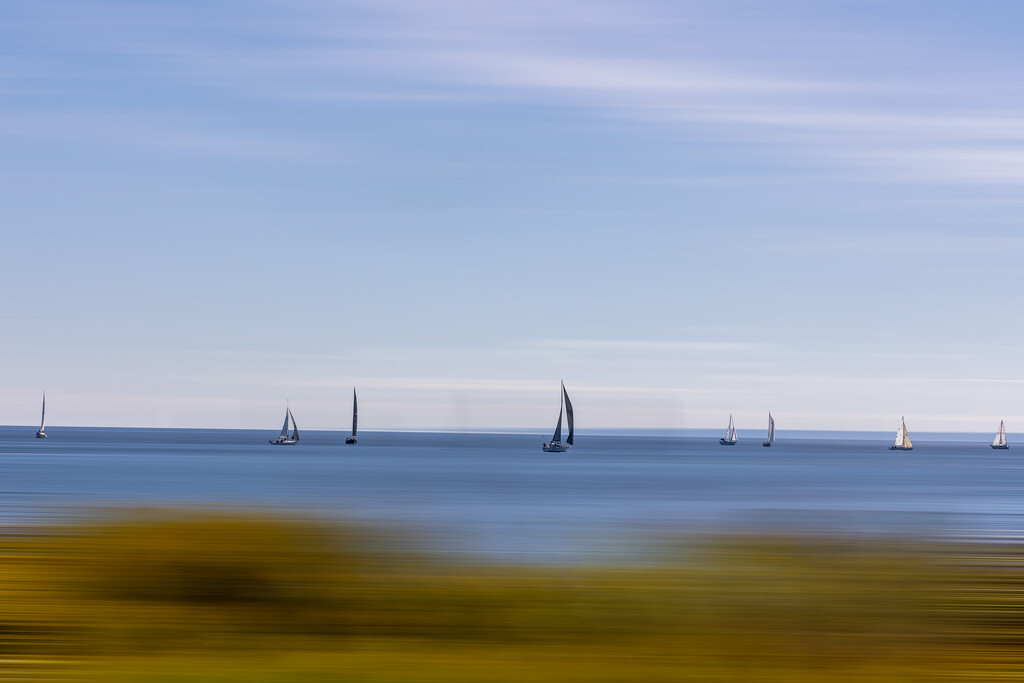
<point>556,445</point>
<point>1000,440</point>
<point>771,432</point>
<point>355,414</point>
<point>284,439</point>
<point>41,434</point>
<point>902,439</point>
<point>730,434</point>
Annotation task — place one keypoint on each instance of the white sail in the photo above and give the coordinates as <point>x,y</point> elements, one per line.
<point>42,419</point>
<point>730,431</point>
<point>771,428</point>
<point>902,437</point>
<point>1000,439</point>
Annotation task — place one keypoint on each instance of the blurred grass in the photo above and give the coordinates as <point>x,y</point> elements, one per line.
<point>188,596</point>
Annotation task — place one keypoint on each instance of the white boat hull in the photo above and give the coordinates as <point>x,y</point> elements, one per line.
<point>901,448</point>
<point>555,448</point>
<point>40,434</point>
<point>283,442</point>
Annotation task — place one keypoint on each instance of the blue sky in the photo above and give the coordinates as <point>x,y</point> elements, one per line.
<point>684,210</point>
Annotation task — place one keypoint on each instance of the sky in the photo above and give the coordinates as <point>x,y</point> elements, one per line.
<point>684,210</point>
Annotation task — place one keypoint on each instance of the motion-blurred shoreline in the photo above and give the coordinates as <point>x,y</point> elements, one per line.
<point>185,595</point>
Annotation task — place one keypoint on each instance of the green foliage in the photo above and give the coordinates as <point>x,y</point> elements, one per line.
<point>175,596</point>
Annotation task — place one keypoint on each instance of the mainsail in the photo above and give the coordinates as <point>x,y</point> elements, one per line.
<point>558,428</point>
<point>355,413</point>
<point>42,420</point>
<point>284,428</point>
<point>771,428</point>
<point>295,427</point>
<point>568,414</point>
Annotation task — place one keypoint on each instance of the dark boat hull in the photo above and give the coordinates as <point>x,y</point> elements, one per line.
<point>766,444</point>
<point>726,442</point>
<point>350,439</point>
<point>1004,447</point>
<point>901,448</point>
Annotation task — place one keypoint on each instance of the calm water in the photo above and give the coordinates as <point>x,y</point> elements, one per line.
<point>499,495</point>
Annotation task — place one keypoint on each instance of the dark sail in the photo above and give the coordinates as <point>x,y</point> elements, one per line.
<point>284,427</point>
<point>568,414</point>
<point>355,413</point>
<point>295,427</point>
<point>558,430</point>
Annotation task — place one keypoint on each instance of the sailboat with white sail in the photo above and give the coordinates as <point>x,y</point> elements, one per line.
<point>41,434</point>
<point>730,434</point>
<point>771,432</point>
<point>556,445</point>
<point>355,415</point>
<point>1000,440</point>
<point>284,439</point>
<point>902,439</point>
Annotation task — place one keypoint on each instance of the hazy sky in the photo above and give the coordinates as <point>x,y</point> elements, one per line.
<point>682,209</point>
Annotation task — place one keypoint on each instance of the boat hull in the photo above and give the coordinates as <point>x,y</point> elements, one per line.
<point>1004,447</point>
<point>283,442</point>
<point>350,439</point>
<point>727,442</point>
<point>901,448</point>
<point>555,448</point>
<point>766,444</point>
<point>40,434</point>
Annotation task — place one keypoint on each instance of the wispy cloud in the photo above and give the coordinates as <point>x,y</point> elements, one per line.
<point>648,347</point>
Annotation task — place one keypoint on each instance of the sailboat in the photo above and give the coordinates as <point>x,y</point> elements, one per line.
<point>730,434</point>
<point>556,445</point>
<point>1000,440</point>
<point>284,439</point>
<point>771,432</point>
<point>352,439</point>
<point>41,434</point>
<point>902,439</point>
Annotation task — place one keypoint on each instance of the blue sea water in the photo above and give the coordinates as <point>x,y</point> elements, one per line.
<point>499,496</point>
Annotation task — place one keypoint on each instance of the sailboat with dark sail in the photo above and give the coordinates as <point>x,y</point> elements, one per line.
<point>284,439</point>
<point>902,439</point>
<point>771,432</point>
<point>355,415</point>
<point>730,434</point>
<point>41,434</point>
<point>556,445</point>
<point>1000,441</point>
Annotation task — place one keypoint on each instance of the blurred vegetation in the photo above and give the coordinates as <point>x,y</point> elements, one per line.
<point>187,596</point>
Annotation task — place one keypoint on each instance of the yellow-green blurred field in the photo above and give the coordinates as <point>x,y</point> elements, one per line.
<point>176,596</point>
